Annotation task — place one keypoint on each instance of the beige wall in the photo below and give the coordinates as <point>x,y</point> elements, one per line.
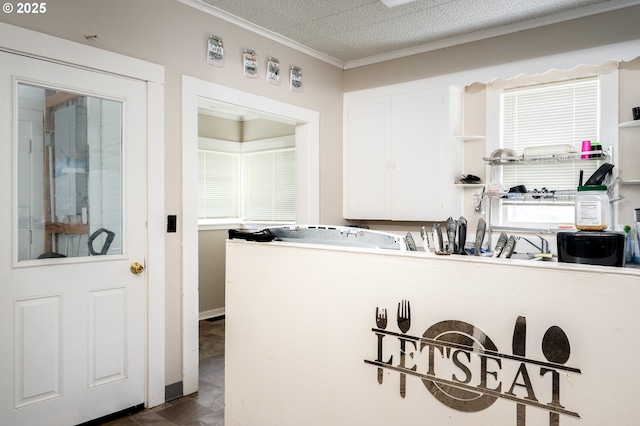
<point>598,30</point>
<point>242,131</point>
<point>174,35</point>
<point>628,166</point>
<point>261,128</point>
<point>211,271</point>
<point>219,128</point>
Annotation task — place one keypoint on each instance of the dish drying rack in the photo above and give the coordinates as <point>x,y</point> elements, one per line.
<point>564,154</point>
<point>551,195</point>
<point>560,157</point>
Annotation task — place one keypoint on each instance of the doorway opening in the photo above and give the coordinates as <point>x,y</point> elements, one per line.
<point>246,179</point>
<point>306,135</point>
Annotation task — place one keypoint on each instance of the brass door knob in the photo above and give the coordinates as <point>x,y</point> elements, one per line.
<point>136,268</point>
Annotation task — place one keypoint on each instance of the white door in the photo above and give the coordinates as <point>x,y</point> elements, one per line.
<point>72,213</point>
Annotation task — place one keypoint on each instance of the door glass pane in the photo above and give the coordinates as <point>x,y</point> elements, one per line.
<point>69,174</point>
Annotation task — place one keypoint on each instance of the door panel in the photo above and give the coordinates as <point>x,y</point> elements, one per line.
<point>73,212</point>
<point>38,350</point>
<point>107,336</point>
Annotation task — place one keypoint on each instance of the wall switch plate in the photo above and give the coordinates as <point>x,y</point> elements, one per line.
<point>172,221</point>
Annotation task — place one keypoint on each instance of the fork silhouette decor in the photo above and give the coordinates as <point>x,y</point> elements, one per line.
<point>404,323</point>
<point>381,323</point>
<point>404,316</point>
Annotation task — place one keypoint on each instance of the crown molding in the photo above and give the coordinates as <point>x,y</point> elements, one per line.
<point>415,50</point>
<point>243,23</point>
<point>494,32</point>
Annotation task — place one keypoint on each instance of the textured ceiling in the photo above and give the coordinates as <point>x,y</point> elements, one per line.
<point>351,30</point>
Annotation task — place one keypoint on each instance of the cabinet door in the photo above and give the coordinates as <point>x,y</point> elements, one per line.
<point>417,151</point>
<point>367,159</point>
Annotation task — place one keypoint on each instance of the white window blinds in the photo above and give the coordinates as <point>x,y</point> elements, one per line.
<point>550,114</point>
<point>270,186</point>
<point>218,185</point>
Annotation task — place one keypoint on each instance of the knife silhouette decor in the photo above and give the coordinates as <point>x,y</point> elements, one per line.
<point>518,347</point>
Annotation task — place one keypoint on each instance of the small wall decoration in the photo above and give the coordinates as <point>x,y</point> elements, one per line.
<point>273,71</point>
<point>250,63</point>
<point>215,51</point>
<point>295,79</point>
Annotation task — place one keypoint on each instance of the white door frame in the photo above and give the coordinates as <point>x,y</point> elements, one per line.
<point>308,191</point>
<point>41,46</point>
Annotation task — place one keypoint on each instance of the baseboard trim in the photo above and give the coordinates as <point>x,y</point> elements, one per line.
<point>173,391</point>
<point>213,313</point>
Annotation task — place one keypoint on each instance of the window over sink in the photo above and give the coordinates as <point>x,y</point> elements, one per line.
<point>541,118</point>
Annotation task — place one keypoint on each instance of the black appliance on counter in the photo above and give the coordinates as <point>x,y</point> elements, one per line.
<point>592,247</point>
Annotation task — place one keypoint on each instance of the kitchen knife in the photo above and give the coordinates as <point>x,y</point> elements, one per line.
<point>411,244</point>
<point>507,251</point>
<point>437,238</point>
<point>451,234</point>
<point>462,235</point>
<point>426,241</point>
<point>480,230</point>
<point>502,240</point>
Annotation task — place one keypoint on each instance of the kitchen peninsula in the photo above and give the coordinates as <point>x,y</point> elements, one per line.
<point>326,335</point>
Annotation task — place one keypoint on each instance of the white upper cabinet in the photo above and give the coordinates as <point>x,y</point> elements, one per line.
<point>416,151</point>
<point>400,156</point>
<point>367,159</point>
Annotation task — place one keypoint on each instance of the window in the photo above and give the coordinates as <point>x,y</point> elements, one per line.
<point>70,174</point>
<point>247,182</point>
<point>551,114</point>
<point>218,184</point>
<point>270,186</point>
<point>532,114</point>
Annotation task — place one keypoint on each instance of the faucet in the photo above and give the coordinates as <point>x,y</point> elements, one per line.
<point>544,244</point>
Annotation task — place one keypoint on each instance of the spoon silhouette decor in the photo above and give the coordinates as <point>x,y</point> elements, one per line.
<point>555,345</point>
<point>556,349</point>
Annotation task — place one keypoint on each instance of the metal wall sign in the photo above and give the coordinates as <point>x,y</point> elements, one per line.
<point>462,367</point>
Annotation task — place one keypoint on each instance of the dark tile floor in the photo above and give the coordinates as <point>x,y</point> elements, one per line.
<point>206,407</point>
